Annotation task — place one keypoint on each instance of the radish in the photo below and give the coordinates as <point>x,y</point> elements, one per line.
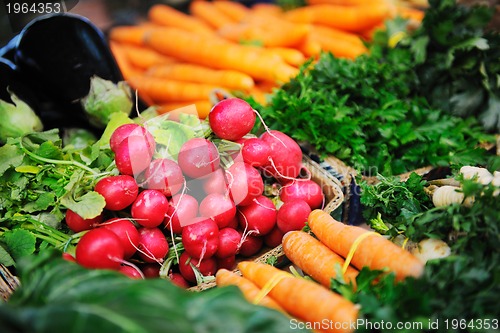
<point>178,280</point>
<point>126,232</point>
<point>164,175</point>
<point>256,152</point>
<point>68,257</point>
<point>285,159</point>
<point>150,208</point>
<point>182,209</point>
<point>201,238</point>
<point>259,217</point>
<point>228,263</point>
<point>207,266</point>
<point>245,183</point>
<point>99,248</point>
<point>133,155</point>
<point>234,223</point>
<point>126,130</point>
<point>218,207</point>
<point>293,215</point>
<point>131,272</point>
<point>118,191</point>
<point>306,190</point>
<point>216,182</point>
<point>231,119</point>
<point>151,270</point>
<point>251,245</point>
<point>153,245</point>
<point>229,240</point>
<point>76,223</point>
<point>198,158</point>
<point>274,238</point>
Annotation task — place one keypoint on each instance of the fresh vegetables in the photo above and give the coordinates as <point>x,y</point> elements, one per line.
<point>299,296</point>
<point>17,118</point>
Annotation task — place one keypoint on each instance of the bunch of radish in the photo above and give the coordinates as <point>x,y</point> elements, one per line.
<point>183,217</point>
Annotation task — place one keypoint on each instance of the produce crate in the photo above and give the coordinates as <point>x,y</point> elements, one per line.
<point>332,188</point>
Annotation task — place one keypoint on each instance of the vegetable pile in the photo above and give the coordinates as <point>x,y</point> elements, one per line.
<point>175,58</point>
<point>372,112</point>
<point>162,198</point>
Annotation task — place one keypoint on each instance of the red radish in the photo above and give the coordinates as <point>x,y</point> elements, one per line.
<point>201,238</point>
<point>164,175</point>
<point>131,272</point>
<point>150,208</point>
<point>68,257</point>
<point>256,152</point>
<point>153,245</point>
<point>216,182</point>
<point>228,263</point>
<point>259,217</point>
<point>218,207</point>
<point>274,238</point>
<point>206,266</point>
<point>178,280</point>
<point>76,223</point>
<point>231,119</point>
<point>251,245</point>
<point>285,160</point>
<point>99,248</point>
<point>234,223</point>
<point>126,232</point>
<point>293,215</point>
<point>118,191</point>
<point>126,130</point>
<point>229,240</point>
<point>306,190</point>
<point>198,158</point>
<point>182,209</point>
<point>133,155</point>
<point>151,270</point>
<point>245,183</point>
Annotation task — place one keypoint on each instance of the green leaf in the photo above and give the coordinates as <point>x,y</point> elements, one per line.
<point>88,206</point>
<point>115,120</point>
<point>19,242</point>
<point>10,156</point>
<point>5,258</point>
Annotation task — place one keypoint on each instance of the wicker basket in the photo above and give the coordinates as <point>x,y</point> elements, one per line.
<point>333,190</point>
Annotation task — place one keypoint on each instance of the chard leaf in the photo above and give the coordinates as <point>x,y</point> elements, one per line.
<point>19,242</point>
<point>88,206</point>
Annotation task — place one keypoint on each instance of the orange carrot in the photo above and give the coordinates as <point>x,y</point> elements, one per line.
<point>235,10</point>
<point>128,71</point>
<point>370,250</point>
<point>315,258</point>
<point>344,2</point>
<point>348,18</point>
<point>220,54</point>
<point>291,56</point>
<point>250,291</point>
<point>267,8</point>
<point>196,73</point>
<point>200,108</point>
<point>410,13</point>
<point>210,14</point>
<point>339,43</point>
<point>129,34</point>
<point>303,299</point>
<point>144,58</point>
<point>163,90</point>
<point>168,16</point>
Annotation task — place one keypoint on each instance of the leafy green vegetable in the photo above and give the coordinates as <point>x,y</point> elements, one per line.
<point>17,119</point>
<point>59,296</point>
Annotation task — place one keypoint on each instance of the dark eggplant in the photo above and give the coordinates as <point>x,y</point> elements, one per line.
<point>11,82</point>
<point>58,54</point>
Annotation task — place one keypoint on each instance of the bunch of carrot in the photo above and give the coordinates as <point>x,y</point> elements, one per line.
<point>175,59</point>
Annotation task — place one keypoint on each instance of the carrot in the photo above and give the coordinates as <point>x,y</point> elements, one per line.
<point>267,8</point>
<point>374,251</point>
<point>196,73</point>
<point>210,14</point>
<point>348,18</point>
<point>220,54</point>
<point>344,2</point>
<point>168,16</point>
<point>315,258</point>
<point>129,34</point>
<point>199,108</point>
<point>235,10</point>
<point>144,58</point>
<point>341,44</point>
<point>163,90</point>
<point>128,71</point>
<point>309,47</point>
<point>250,291</point>
<point>303,299</point>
